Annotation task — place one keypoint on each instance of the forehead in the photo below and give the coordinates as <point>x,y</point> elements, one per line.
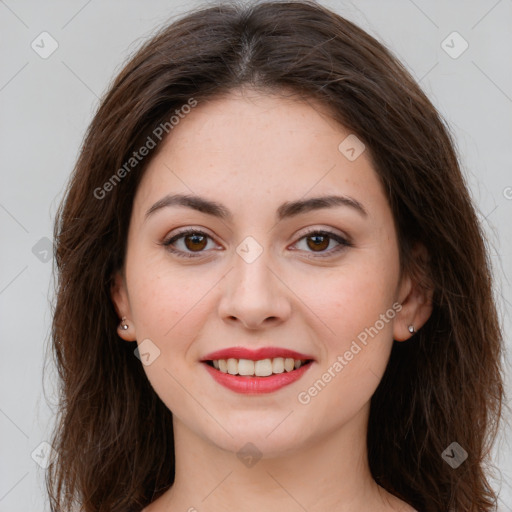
<point>252,146</point>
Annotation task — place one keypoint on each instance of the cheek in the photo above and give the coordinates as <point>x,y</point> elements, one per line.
<point>164,297</point>
<point>356,306</point>
<point>168,309</point>
<point>350,299</point>
<point>157,305</point>
<point>363,299</point>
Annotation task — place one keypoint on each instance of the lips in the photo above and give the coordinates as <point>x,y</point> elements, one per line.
<point>256,371</point>
<point>255,355</point>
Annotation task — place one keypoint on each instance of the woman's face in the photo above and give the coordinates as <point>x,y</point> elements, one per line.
<point>269,274</point>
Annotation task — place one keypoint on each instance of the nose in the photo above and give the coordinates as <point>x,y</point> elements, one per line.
<point>254,295</point>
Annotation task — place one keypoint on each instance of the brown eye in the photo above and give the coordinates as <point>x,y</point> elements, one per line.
<point>318,242</point>
<point>195,242</point>
<point>189,243</point>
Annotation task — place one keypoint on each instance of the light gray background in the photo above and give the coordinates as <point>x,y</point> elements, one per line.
<point>47,104</point>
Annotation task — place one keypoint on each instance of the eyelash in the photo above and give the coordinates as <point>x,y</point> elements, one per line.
<point>182,234</point>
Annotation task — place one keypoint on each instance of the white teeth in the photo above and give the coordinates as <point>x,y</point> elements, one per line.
<point>261,368</point>
<point>245,367</point>
<point>278,365</point>
<point>232,366</point>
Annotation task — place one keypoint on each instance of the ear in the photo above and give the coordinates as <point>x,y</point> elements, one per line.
<point>415,295</point>
<point>119,296</point>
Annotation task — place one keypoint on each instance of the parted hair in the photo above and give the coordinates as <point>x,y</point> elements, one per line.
<point>113,436</point>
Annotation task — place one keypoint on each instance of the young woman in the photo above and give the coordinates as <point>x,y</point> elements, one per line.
<point>274,292</point>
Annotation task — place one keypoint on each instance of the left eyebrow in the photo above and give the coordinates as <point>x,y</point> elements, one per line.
<point>286,210</point>
<point>292,208</point>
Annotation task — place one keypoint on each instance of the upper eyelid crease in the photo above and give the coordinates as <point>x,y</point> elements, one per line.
<point>341,240</point>
<point>286,210</point>
<point>303,233</point>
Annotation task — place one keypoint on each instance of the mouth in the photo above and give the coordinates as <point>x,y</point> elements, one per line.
<point>254,372</point>
<point>259,368</point>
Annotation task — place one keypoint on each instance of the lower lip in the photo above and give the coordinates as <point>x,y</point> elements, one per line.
<point>257,385</point>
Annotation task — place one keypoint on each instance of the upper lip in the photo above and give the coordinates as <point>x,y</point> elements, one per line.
<point>254,355</point>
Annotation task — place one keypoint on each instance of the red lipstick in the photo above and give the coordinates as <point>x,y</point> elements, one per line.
<point>255,355</point>
<point>246,384</point>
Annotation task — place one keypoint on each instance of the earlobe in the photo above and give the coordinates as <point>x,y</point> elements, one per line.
<point>123,325</point>
<point>119,296</point>
<point>416,294</point>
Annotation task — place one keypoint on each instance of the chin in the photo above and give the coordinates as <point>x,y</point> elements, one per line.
<point>267,439</point>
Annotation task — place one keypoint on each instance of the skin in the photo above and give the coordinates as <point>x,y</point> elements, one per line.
<point>253,152</point>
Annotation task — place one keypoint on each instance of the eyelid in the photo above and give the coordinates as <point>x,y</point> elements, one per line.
<point>182,233</point>
<point>321,229</point>
<point>342,240</point>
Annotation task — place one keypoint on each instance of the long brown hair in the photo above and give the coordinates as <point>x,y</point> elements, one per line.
<point>113,436</point>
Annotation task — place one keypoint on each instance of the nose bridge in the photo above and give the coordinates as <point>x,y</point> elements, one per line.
<point>252,294</point>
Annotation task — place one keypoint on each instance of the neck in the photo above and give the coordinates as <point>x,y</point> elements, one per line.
<point>331,473</point>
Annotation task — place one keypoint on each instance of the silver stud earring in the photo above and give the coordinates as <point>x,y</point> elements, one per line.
<point>123,326</point>
<point>411,329</point>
